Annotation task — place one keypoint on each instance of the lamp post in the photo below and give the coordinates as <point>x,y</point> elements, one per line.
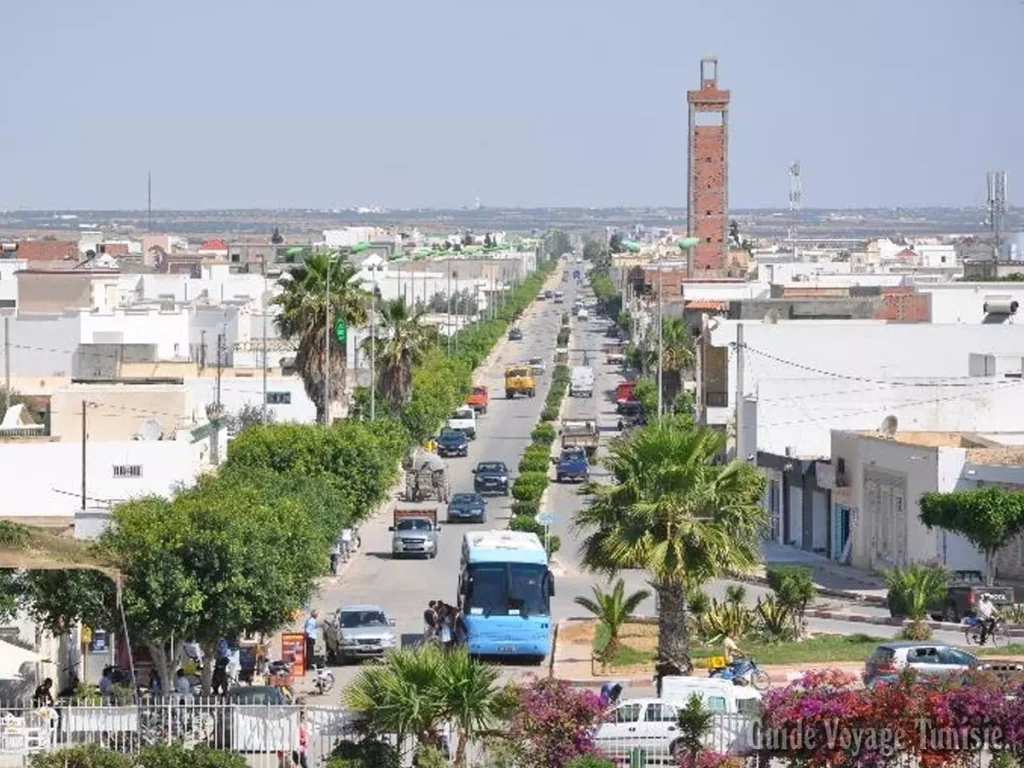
<point>327,341</point>
<point>373,266</point>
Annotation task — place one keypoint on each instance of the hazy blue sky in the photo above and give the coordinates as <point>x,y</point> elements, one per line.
<point>322,103</point>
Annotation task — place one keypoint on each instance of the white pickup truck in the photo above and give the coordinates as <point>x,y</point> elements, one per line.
<point>464,420</point>
<point>581,382</point>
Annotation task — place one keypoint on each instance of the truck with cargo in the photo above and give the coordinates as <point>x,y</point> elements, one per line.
<point>572,465</point>
<point>581,382</point>
<point>624,393</point>
<point>519,380</point>
<point>479,399</point>
<point>580,433</point>
<point>414,530</point>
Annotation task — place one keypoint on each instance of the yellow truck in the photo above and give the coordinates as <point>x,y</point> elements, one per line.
<point>519,380</point>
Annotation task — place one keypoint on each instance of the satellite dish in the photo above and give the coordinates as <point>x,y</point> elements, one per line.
<point>150,431</point>
<point>890,424</point>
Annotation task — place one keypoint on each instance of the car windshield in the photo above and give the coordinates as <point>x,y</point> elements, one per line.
<point>518,589</point>
<point>465,500</point>
<point>354,619</point>
<point>451,434</point>
<point>463,413</point>
<point>536,361</point>
<point>491,467</point>
<point>413,525</point>
<point>571,454</point>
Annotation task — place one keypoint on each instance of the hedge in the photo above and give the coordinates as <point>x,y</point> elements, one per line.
<point>529,486</point>
<point>159,756</point>
<point>534,463</point>
<point>531,508</point>
<point>543,434</point>
<point>549,414</point>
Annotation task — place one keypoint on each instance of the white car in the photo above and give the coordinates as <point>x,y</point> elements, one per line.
<point>653,725</point>
<point>583,314</point>
<point>464,420</point>
<point>537,364</point>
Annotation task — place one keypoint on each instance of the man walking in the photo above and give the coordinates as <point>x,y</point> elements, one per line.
<point>311,628</point>
<point>335,556</point>
<point>430,621</point>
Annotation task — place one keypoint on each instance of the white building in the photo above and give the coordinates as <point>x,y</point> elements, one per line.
<point>876,481</point>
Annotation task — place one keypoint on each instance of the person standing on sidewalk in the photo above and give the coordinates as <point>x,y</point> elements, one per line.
<point>335,556</point>
<point>311,629</point>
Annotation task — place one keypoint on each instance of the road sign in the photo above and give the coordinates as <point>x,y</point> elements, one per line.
<point>341,330</point>
<point>545,518</point>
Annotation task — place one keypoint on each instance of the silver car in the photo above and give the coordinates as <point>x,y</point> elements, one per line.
<point>360,632</point>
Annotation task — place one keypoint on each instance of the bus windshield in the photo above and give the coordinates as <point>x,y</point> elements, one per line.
<point>519,589</point>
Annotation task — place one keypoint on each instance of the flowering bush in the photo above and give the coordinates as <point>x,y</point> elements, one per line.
<point>823,720</point>
<point>554,724</point>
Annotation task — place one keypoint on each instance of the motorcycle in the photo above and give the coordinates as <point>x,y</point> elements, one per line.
<point>743,672</point>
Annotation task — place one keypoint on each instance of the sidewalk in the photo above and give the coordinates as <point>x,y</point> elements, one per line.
<point>832,579</point>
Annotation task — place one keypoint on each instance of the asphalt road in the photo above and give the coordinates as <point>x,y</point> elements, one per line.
<point>403,587</point>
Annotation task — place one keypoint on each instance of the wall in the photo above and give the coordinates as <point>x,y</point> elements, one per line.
<point>239,391</point>
<point>8,282</point>
<point>54,291</point>
<point>119,411</point>
<point>44,345</point>
<point>166,332</point>
<point>866,354</point>
<point>964,302</point>
<point>49,473</point>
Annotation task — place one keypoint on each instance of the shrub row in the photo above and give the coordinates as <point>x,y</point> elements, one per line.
<point>536,458</point>
<point>559,386</point>
<point>159,756</point>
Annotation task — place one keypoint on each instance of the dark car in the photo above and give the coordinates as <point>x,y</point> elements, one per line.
<point>491,477</point>
<point>516,334</point>
<point>452,442</point>
<point>572,465</point>
<point>962,595</point>
<point>632,415</point>
<point>469,507</point>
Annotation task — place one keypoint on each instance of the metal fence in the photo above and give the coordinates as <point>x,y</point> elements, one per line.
<point>267,734</point>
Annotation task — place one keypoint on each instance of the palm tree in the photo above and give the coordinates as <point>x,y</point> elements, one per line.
<point>303,317</point>
<point>677,355</point>
<point>415,690</point>
<point>401,346</point>
<point>677,513</point>
<point>613,609</point>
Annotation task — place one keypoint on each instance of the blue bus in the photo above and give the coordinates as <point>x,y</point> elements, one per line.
<point>505,591</point>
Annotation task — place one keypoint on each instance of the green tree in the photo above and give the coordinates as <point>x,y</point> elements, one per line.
<point>415,690</point>
<point>613,609</point>
<point>988,517</point>
<point>557,243</point>
<point>912,591</point>
<point>594,252</point>
<point>677,355</point>
<point>303,317</point>
<point>615,243</point>
<point>402,343</point>
<point>673,510</point>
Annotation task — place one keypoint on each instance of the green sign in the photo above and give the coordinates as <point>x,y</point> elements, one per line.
<point>341,330</point>
<point>688,242</point>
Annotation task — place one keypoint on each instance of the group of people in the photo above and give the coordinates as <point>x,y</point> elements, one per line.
<point>343,548</point>
<point>444,624</point>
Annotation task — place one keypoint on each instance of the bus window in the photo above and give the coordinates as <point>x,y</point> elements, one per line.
<point>486,589</point>
<point>528,589</point>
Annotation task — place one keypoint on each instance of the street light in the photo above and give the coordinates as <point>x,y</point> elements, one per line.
<point>373,263</point>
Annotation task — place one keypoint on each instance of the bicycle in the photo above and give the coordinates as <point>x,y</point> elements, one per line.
<point>973,632</point>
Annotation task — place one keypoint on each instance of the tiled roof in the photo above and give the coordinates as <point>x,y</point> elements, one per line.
<point>705,304</point>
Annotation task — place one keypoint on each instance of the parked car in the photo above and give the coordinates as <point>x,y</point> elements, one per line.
<point>516,334</point>
<point>653,724</point>
<point>467,507</point>
<point>491,477</point>
<point>452,442</point>
<point>927,659</point>
<point>359,632</point>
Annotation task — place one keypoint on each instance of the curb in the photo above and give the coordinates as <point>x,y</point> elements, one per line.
<point>840,594</point>
<point>889,621</point>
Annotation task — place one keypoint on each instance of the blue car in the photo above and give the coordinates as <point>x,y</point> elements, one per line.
<point>467,507</point>
<point>572,465</point>
<point>452,442</point>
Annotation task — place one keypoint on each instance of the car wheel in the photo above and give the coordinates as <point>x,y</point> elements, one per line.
<point>432,555</point>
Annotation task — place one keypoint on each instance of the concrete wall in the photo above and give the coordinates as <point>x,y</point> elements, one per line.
<point>48,474</point>
<point>118,412</point>
<point>964,302</point>
<point>44,345</point>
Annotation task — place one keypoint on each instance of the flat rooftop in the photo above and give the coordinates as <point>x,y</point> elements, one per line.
<point>995,448</point>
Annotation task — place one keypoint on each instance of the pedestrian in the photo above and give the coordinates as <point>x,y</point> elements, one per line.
<point>447,628</point>
<point>346,543</point>
<point>43,696</point>
<point>106,684</point>
<point>430,621</point>
<point>335,556</point>
<point>461,628</point>
<point>219,683</point>
<point>312,629</point>
<point>183,687</point>
<point>299,756</point>
<point>155,687</point>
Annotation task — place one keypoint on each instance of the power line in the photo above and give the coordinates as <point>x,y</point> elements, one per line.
<point>954,382</point>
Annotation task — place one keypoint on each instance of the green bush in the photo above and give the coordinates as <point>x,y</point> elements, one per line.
<point>549,414</point>
<point>543,434</point>
<point>529,486</point>
<point>561,373</point>
<point>530,508</point>
<point>563,337</point>
<point>554,543</point>
<point>538,452</point>
<point>176,756</point>
<point>534,463</point>
<point>793,585</point>
<point>84,756</point>
<point>366,754</point>
<point>526,524</point>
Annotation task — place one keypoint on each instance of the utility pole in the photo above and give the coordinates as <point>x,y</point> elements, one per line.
<point>264,339</point>
<point>741,453</point>
<point>327,344</point>
<point>373,346</point>
<point>661,351</point>
<point>202,350</point>
<point>7,364</point>
<point>85,436</point>
<point>448,322</point>
<point>220,367</point>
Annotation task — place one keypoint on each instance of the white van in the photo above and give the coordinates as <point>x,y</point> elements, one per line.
<point>653,724</point>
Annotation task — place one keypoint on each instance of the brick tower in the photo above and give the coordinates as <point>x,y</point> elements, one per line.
<point>707,178</point>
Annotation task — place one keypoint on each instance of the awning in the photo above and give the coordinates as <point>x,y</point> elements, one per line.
<point>13,658</point>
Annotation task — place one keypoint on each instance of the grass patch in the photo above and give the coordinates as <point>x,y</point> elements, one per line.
<point>639,646</point>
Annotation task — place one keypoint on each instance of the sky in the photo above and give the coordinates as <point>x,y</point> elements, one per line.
<point>406,103</point>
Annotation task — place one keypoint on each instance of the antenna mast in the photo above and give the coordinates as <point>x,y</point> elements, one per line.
<point>149,200</point>
<point>796,193</point>
<point>996,183</point>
